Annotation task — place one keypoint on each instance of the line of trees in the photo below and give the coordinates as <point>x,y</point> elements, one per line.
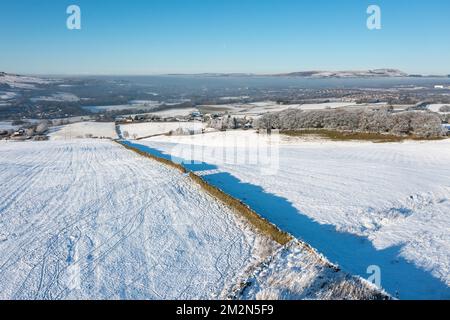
<point>422,124</point>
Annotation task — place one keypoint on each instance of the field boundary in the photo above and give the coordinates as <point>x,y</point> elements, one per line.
<point>341,135</point>
<point>258,222</point>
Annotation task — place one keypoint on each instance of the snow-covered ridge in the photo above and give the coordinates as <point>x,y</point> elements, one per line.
<point>348,74</point>
<point>21,82</point>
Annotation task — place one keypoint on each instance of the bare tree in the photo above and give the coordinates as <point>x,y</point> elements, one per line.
<point>42,127</point>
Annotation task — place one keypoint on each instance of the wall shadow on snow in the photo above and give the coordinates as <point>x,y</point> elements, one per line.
<point>354,254</point>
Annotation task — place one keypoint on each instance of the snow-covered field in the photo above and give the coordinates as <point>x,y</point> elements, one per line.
<point>7,95</point>
<point>61,97</point>
<point>258,108</point>
<point>134,105</point>
<point>146,129</point>
<point>175,112</point>
<point>358,203</point>
<point>169,113</point>
<point>7,125</point>
<point>81,130</point>
<point>437,107</point>
<point>88,219</point>
<point>21,82</point>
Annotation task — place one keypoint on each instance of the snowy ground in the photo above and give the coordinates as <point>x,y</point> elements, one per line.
<point>59,97</point>
<point>175,112</point>
<point>111,225</point>
<point>88,219</point>
<point>7,125</point>
<point>81,130</point>
<point>7,95</point>
<point>437,107</point>
<point>256,109</point>
<point>22,82</point>
<point>132,106</point>
<point>147,129</point>
<point>358,203</point>
<point>293,273</point>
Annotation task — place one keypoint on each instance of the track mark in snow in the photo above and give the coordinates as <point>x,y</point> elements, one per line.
<point>89,219</point>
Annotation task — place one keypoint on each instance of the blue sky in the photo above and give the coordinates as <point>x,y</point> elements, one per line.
<point>189,36</point>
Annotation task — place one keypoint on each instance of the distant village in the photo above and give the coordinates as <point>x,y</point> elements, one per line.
<point>26,131</point>
<point>219,121</point>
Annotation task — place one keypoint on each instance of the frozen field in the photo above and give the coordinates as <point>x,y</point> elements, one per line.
<point>360,204</point>
<point>7,125</point>
<point>91,219</point>
<point>184,112</point>
<point>146,129</point>
<point>437,108</point>
<point>259,108</point>
<point>21,82</point>
<point>59,97</point>
<point>81,130</point>
<point>88,219</point>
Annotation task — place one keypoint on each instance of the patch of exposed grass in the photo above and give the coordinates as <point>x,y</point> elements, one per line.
<point>334,135</point>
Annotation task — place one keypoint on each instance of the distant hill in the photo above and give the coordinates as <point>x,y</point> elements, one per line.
<point>15,81</point>
<point>314,74</point>
<point>347,74</point>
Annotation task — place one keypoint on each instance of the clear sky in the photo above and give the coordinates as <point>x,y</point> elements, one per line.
<point>192,36</point>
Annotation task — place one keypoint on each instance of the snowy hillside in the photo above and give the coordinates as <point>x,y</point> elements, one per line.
<point>256,109</point>
<point>57,97</point>
<point>7,95</point>
<point>357,203</point>
<point>147,129</point>
<point>21,82</point>
<point>81,130</point>
<point>89,219</point>
<point>349,74</point>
